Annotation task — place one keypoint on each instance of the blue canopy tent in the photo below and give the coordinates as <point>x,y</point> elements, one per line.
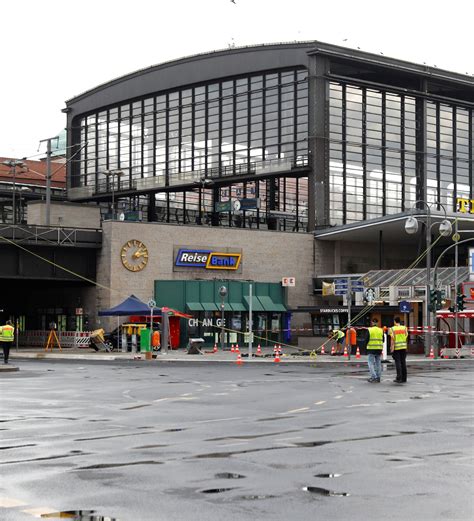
<point>130,306</point>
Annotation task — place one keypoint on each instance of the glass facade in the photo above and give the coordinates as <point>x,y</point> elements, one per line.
<point>220,129</point>
<point>373,153</point>
<point>257,126</point>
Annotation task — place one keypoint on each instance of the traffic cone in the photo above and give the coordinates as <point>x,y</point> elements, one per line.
<point>232,350</point>
<point>445,353</point>
<point>215,348</point>
<point>277,357</point>
<point>259,350</point>
<point>357,353</point>
<point>237,350</point>
<point>431,352</point>
<point>333,351</point>
<point>239,359</point>
<point>345,352</point>
<point>323,352</point>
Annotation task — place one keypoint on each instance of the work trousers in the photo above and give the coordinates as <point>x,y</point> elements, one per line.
<point>400,357</point>
<point>6,351</point>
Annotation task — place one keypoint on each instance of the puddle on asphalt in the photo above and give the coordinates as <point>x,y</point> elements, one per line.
<point>115,465</point>
<point>255,497</point>
<point>7,447</point>
<point>157,446</point>
<point>250,436</point>
<point>215,490</point>
<point>325,492</point>
<point>327,475</point>
<point>135,407</point>
<point>274,418</point>
<point>229,475</point>
<point>78,515</point>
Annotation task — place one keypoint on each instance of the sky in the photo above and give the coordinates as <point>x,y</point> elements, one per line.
<point>53,50</point>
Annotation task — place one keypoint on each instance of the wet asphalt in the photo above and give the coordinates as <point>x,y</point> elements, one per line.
<point>151,442</point>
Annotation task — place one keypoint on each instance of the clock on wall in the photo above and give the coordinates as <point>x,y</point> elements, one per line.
<point>134,255</point>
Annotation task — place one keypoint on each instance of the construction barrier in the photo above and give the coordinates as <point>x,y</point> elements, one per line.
<point>66,338</point>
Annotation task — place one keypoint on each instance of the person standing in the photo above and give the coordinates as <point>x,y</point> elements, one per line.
<point>7,335</point>
<point>374,351</point>
<point>398,348</point>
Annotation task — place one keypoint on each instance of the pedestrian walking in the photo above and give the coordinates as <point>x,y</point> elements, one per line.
<point>374,351</point>
<point>7,335</point>
<point>398,348</point>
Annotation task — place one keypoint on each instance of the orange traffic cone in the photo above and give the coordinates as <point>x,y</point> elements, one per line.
<point>431,352</point>
<point>232,350</point>
<point>277,356</point>
<point>357,353</point>
<point>333,351</point>
<point>237,350</point>
<point>259,350</point>
<point>239,359</point>
<point>215,348</point>
<point>323,352</point>
<point>345,352</point>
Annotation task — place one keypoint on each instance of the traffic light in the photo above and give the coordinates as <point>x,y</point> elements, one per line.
<point>436,300</point>
<point>460,301</point>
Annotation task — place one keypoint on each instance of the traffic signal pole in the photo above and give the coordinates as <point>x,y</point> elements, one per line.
<point>456,332</point>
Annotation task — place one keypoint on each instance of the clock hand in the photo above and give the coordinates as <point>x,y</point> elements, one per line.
<point>138,254</point>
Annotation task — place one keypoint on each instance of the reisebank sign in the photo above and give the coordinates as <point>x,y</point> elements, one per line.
<point>207,259</point>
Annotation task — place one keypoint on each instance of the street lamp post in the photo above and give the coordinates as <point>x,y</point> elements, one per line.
<point>112,174</point>
<point>445,229</point>
<point>13,163</point>
<point>204,182</point>
<point>223,294</point>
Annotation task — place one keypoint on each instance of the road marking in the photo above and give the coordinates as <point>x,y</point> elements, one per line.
<point>234,444</point>
<point>38,512</point>
<point>320,403</point>
<point>8,502</point>
<point>285,439</point>
<point>302,409</point>
<point>220,420</point>
<point>363,405</point>
<point>338,397</point>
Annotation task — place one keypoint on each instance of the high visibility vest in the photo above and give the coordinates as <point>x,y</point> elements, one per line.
<point>7,333</point>
<point>340,334</point>
<point>375,338</point>
<point>400,336</point>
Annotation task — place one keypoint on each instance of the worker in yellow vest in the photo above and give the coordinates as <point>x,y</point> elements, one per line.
<point>7,335</point>
<point>374,351</point>
<point>398,348</point>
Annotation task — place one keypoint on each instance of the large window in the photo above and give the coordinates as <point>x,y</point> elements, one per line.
<point>373,153</point>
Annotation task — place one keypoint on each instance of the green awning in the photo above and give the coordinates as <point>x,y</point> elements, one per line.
<point>210,306</point>
<point>269,305</point>
<point>194,306</point>
<point>256,304</point>
<point>238,306</point>
<point>227,306</point>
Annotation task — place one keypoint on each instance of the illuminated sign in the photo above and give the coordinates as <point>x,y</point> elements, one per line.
<point>208,259</point>
<point>465,205</point>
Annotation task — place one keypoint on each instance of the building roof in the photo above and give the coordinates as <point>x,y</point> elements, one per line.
<point>34,173</point>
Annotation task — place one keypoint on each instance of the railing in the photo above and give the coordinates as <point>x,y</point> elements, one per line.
<point>55,236</point>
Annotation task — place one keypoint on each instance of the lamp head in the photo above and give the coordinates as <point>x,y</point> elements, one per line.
<point>222,291</point>
<point>411,225</point>
<point>445,228</point>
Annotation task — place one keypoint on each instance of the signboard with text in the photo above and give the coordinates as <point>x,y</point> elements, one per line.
<point>288,282</point>
<point>206,258</point>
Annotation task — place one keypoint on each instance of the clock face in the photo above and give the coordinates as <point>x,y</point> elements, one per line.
<point>134,255</point>
<point>237,205</point>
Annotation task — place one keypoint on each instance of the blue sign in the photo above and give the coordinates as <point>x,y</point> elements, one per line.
<point>405,306</point>
<point>340,282</point>
<point>207,259</point>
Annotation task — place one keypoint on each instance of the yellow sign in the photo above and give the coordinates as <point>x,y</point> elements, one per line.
<point>328,288</point>
<point>465,205</point>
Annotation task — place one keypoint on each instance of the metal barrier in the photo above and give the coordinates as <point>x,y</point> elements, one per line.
<point>66,338</point>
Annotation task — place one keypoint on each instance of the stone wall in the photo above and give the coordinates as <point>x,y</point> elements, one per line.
<point>64,214</point>
<point>266,257</point>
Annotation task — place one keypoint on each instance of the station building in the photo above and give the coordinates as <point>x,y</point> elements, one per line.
<point>301,160</point>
